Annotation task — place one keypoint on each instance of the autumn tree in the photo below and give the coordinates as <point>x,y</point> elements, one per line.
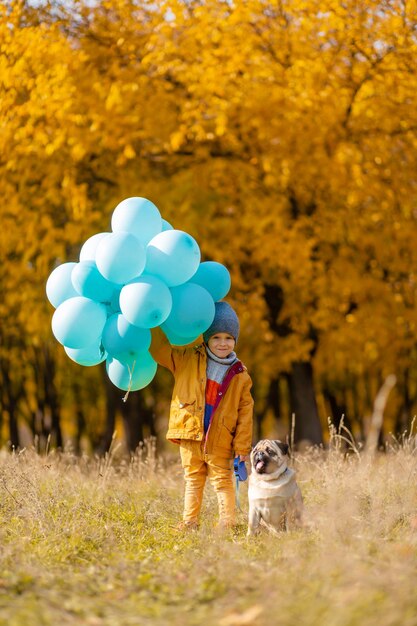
<point>303,118</point>
<point>281,135</point>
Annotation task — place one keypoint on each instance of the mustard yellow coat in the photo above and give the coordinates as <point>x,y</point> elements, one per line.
<point>230,431</point>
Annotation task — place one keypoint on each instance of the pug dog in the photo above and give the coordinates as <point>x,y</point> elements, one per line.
<point>274,497</point>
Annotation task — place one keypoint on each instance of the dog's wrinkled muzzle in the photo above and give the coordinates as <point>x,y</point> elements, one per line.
<point>260,462</point>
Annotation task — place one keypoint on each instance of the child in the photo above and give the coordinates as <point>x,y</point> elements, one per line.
<point>211,412</point>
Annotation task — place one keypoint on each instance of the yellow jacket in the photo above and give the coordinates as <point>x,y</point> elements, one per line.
<point>230,430</point>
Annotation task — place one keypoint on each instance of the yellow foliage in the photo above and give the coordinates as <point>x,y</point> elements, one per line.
<point>281,135</point>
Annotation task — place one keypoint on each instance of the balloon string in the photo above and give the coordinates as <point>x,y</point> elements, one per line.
<point>125,397</point>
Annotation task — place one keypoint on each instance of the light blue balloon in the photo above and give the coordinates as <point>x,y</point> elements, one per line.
<point>136,374</point>
<point>89,283</point>
<point>192,310</point>
<point>114,305</point>
<point>137,216</point>
<point>214,277</point>
<point>120,257</point>
<point>173,256</point>
<point>59,286</point>
<point>176,340</point>
<point>89,356</point>
<point>79,322</point>
<point>146,302</point>
<point>88,250</point>
<point>166,225</point>
<point>122,340</point>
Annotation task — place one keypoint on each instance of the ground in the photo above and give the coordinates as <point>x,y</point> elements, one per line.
<point>94,542</point>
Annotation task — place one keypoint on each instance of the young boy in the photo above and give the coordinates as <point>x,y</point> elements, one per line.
<point>211,412</point>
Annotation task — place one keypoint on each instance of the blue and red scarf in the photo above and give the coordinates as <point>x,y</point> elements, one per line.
<point>217,369</point>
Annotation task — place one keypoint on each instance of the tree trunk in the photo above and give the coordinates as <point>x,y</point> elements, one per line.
<point>81,426</point>
<point>9,401</point>
<point>357,412</point>
<point>136,415</point>
<point>300,379</point>
<point>51,398</point>
<point>106,437</point>
<point>13,426</point>
<point>403,419</point>
<point>338,410</point>
<point>272,402</point>
<point>132,422</point>
<point>303,404</point>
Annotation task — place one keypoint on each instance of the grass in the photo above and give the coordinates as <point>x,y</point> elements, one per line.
<point>93,542</point>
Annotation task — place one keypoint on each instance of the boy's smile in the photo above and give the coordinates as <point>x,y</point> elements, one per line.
<point>221,344</point>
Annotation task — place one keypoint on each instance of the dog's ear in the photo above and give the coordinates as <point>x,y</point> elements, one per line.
<point>284,447</point>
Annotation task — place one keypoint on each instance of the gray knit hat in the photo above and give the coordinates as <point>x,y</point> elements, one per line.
<point>225,321</point>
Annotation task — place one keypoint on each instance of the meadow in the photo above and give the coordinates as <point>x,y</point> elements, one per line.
<point>94,542</point>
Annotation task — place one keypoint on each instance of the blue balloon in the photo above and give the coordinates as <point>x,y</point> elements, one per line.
<point>166,225</point>
<point>173,256</point>
<point>214,277</point>
<point>146,302</point>
<point>135,374</point>
<point>176,340</point>
<point>89,356</point>
<point>88,249</point>
<point>59,286</point>
<point>192,310</point>
<point>123,340</point>
<point>137,216</point>
<point>88,282</point>
<point>120,257</point>
<point>79,322</point>
<point>114,305</point>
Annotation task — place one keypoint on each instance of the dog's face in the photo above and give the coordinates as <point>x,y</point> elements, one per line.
<point>268,456</point>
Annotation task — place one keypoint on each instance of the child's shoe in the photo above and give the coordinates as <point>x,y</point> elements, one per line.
<point>186,526</point>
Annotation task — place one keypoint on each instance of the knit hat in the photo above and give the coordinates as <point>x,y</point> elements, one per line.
<point>225,321</point>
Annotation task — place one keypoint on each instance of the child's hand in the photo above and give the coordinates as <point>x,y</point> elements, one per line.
<point>242,457</point>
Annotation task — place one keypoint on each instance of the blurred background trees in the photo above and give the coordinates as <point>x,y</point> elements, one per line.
<point>281,135</point>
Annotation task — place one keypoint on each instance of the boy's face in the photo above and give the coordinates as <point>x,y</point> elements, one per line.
<point>221,344</point>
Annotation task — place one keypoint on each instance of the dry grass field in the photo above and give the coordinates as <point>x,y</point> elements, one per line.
<point>94,542</point>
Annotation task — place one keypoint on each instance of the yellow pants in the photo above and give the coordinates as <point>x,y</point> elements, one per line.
<point>197,467</point>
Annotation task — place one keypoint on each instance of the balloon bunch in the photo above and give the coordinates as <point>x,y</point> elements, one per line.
<point>141,275</point>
